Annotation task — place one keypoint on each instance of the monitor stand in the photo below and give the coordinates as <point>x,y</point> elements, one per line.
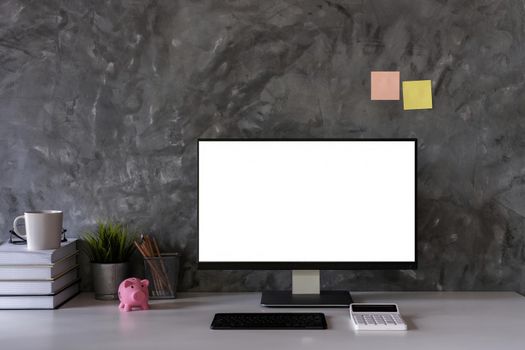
<point>306,292</point>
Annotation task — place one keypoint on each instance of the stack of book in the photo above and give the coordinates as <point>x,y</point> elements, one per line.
<point>40,279</point>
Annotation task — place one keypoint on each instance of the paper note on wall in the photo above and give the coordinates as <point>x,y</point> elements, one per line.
<point>384,85</point>
<point>417,94</point>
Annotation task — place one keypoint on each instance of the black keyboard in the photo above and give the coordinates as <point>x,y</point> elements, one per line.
<point>296,320</point>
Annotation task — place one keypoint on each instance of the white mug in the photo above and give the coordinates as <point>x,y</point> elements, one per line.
<point>43,229</point>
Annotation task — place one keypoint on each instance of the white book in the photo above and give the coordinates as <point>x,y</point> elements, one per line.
<point>38,287</point>
<point>38,272</point>
<point>14,254</point>
<point>39,301</point>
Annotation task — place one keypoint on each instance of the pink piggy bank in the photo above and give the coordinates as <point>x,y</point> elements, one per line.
<point>133,292</point>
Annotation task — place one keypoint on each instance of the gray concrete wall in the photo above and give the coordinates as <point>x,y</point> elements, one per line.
<point>101,103</point>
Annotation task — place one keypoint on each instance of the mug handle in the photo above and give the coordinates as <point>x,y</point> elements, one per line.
<point>16,229</point>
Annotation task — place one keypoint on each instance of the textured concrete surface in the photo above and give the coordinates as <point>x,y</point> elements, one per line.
<point>101,103</point>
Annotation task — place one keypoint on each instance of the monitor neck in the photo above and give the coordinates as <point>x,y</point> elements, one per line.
<point>306,293</point>
<point>306,282</point>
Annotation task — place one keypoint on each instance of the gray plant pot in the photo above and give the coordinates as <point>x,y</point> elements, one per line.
<point>106,279</point>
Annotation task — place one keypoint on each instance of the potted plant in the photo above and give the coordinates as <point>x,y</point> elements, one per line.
<point>109,249</point>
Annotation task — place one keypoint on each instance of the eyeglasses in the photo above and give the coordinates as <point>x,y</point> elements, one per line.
<point>14,238</point>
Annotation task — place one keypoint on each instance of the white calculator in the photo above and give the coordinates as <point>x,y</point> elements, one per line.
<point>376,317</point>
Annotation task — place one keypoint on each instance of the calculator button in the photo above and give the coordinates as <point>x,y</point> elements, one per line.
<point>359,319</point>
<point>380,321</point>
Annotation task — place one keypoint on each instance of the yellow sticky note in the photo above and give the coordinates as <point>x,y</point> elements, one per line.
<point>417,94</point>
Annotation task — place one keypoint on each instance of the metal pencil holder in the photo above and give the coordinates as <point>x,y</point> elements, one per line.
<point>162,273</point>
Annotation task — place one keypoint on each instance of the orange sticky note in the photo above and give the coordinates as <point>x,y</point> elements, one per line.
<point>384,85</point>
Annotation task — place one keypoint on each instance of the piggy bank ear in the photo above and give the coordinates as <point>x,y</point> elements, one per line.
<point>127,283</point>
<point>144,283</point>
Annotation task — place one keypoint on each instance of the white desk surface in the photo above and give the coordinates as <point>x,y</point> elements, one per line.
<point>436,320</point>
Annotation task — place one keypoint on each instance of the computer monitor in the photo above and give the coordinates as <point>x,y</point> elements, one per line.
<point>307,205</point>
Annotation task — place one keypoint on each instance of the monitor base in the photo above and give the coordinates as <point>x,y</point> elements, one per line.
<point>326,298</point>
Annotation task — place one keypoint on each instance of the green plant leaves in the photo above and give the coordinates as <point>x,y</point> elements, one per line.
<point>110,243</point>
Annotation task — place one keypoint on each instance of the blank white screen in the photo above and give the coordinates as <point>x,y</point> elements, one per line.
<point>306,201</point>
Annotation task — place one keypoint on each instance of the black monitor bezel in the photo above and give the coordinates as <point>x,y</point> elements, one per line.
<point>315,265</point>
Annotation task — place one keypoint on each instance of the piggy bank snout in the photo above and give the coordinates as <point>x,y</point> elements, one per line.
<point>138,295</point>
